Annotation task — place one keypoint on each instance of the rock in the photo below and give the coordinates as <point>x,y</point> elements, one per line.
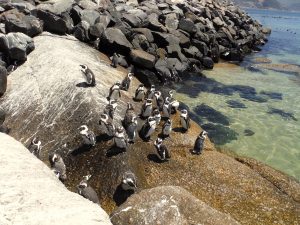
<point>218,22</point>
<point>17,45</point>
<point>28,25</point>
<point>3,85</point>
<point>132,20</point>
<point>140,42</point>
<point>266,30</point>
<point>187,25</point>
<point>97,30</point>
<point>154,24</point>
<point>201,46</point>
<point>168,205</point>
<point>192,52</point>
<point>2,28</point>
<point>200,36</point>
<point>75,14</point>
<point>208,62</point>
<point>27,178</point>
<point>146,32</point>
<point>171,21</point>
<point>175,51</point>
<point>142,58</point>
<point>2,115</point>
<point>147,77</point>
<point>89,16</point>
<point>87,4</point>
<point>163,39</point>
<point>184,39</point>
<point>113,40</point>
<point>105,20</point>
<point>81,31</point>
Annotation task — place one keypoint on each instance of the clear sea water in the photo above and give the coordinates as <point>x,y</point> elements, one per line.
<point>254,113</point>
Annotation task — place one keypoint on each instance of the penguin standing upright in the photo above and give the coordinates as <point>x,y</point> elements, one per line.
<point>159,100</point>
<point>185,120</point>
<point>146,109</point>
<point>126,82</point>
<point>173,102</point>
<point>167,128</point>
<point>166,110</point>
<point>89,75</point>
<point>58,166</point>
<point>86,191</point>
<point>150,92</point>
<point>162,150</point>
<point>120,140</point>
<point>114,92</point>
<point>139,93</point>
<point>111,108</point>
<point>129,181</point>
<point>114,60</point>
<point>131,130</point>
<point>199,143</point>
<point>106,125</point>
<point>89,138</point>
<point>35,147</point>
<point>148,128</point>
<point>129,114</point>
<point>157,116</point>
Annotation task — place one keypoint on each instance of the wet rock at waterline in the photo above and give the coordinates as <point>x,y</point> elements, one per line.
<point>46,199</point>
<point>168,205</point>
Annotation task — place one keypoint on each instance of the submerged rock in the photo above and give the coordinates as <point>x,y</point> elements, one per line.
<point>282,113</point>
<point>248,132</point>
<point>236,104</point>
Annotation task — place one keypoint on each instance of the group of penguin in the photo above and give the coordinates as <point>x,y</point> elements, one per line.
<point>154,109</point>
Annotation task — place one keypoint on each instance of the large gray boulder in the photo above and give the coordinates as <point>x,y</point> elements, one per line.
<point>168,205</point>
<point>31,193</point>
<point>142,58</point>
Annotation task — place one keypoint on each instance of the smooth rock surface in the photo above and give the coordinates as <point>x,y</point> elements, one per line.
<point>31,193</point>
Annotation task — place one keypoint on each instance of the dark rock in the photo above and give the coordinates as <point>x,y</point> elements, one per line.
<point>174,63</point>
<point>89,16</point>
<point>215,53</point>
<point>2,112</point>
<point>272,95</point>
<point>175,51</point>
<point>140,42</point>
<point>187,25</point>
<point>164,39</point>
<point>248,132</point>
<point>146,32</point>
<point>201,46</point>
<point>28,25</point>
<point>184,39</point>
<point>208,62</point>
<point>97,30</point>
<point>146,76</point>
<point>142,58</point>
<point>81,31</point>
<point>105,20</point>
<point>132,20</point>
<point>236,104</point>
<point>282,113</point>
<point>75,14</point>
<point>3,85</point>
<point>192,52</point>
<point>154,24</point>
<point>17,45</point>
<point>113,40</point>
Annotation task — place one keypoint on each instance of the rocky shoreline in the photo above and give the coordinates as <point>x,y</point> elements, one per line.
<point>44,96</point>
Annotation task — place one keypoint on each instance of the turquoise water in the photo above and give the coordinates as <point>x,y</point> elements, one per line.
<point>254,113</point>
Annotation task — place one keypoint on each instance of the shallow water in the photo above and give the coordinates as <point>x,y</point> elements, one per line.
<point>256,114</point>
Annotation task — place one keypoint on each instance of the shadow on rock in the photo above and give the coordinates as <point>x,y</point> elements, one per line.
<point>113,151</point>
<point>82,85</point>
<point>154,158</point>
<point>120,196</point>
<point>103,138</point>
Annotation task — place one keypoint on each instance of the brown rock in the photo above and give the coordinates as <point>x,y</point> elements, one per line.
<point>142,58</point>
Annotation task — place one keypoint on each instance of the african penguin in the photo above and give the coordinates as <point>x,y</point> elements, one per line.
<point>111,108</point>
<point>166,110</point>
<point>114,60</point>
<point>148,128</point>
<point>89,75</point>
<point>146,109</point>
<point>157,116</point>
<point>150,92</point>
<point>199,143</point>
<point>159,100</point>
<point>89,138</point>
<point>58,166</point>
<point>185,120</point>
<point>139,93</point>
<point>86,191</point>
<point>129,181</point>
<point>129,114</point>
<point>35,147</point>
<point>120,139</point>
<point>131,130</point>
<point>167,128</point>
<point>106,125</point>
<point>173,102</point>
<point>162,150</point>
<point>126,82</point>
<point>114,92</point>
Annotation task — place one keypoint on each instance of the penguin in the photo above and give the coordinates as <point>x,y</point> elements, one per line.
<point>86,191</point>
<point>88,136</point>
<point>162,150</point>
<point>106,125</point>
<point>114,60</point>
<point>159,100</point>
<point>174,74</point>
<point>146,109</point>
<point>114,92</point>
<point>166,110</point>
<point>128,115</point>
<point>150,92</point>
<point>58,166</point>
<point>139,93</point>
<point>111,108</point>
<point>157,116</point>
<point>199,143</point>
<point>167,128</point>
<point>120,140</point>
<point>173,102</point>
<point>89,75</point>
<point>129,181</point>
<point>126,82</point>
<point>35,147</point>
<point>185,120</point>
<point>131,130</point>
<point>148,128</point>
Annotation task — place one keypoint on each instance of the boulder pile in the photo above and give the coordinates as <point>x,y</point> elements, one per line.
<point>161,38</point>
